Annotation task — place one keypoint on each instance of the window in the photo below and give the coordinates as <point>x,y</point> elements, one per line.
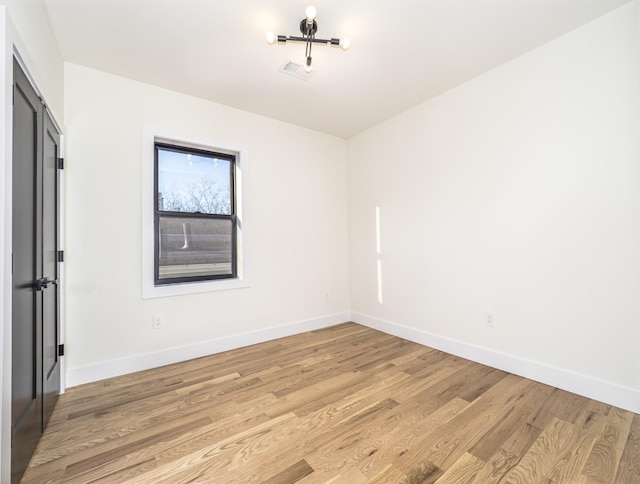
<point>195,223</point>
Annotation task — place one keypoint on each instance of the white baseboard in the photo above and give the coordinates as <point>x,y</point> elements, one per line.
<point>108,369</point>
<point>610,393</point>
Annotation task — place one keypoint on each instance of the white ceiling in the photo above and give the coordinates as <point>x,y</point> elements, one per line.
<point>402,52</point>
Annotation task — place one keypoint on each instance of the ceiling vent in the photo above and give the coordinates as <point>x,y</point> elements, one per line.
<point>296,70</point>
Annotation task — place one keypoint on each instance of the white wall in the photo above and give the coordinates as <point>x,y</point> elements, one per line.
<point>38,47</point>
<point>517,193</point>
<point>297,216</point>
<point>25,29</point>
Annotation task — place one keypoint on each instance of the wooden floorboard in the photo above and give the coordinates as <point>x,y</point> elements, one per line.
<point>344,404</point>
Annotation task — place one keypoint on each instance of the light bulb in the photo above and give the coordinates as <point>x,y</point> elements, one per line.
<point>311,13</point>
<point>308,69</point>
<point>271,38</point>
<point>345,44</point>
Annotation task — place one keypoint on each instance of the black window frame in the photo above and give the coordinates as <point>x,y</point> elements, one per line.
<point>232,217</point>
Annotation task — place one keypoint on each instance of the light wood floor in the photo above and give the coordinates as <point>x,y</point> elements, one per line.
<point>344,404</point>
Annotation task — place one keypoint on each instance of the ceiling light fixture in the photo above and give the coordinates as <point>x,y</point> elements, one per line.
<point>308,28</point>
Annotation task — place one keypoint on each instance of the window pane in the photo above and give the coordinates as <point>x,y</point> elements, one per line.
<point>191,247</point>
<point>193,183</point>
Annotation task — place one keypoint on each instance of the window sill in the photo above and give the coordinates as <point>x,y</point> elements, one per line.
<point>186,288</point>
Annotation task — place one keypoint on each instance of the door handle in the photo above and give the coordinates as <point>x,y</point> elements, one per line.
<point>44,282</point>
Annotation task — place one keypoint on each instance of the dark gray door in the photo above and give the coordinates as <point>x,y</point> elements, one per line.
<point>35,369</point>
<point>50,329</point>
<point>26,405</point>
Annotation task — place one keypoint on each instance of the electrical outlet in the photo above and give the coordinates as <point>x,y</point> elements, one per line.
<point>488,319</point>
<point>158,321</point>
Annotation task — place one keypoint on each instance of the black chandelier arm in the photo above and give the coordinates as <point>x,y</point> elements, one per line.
<point>307,50</point>
<point>284,38</point>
